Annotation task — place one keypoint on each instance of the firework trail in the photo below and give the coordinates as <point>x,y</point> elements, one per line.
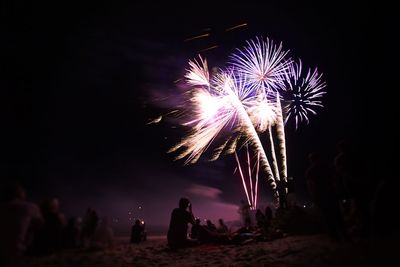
<point>246,100</point>
<point>243,181</point>
<point>267,69</point>
<point>252,196</point>
<point>280,129</point>
<point>236,90</point>
<point>218,104</point>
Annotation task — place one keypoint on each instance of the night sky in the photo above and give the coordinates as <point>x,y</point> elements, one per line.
<point>82,81</point>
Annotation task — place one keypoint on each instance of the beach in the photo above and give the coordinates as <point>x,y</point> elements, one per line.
<point>302,250</point>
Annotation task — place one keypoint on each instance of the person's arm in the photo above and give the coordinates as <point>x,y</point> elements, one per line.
<point>191,220</point>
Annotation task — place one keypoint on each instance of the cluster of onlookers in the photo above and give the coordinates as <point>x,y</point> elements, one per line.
<point>27,228</point>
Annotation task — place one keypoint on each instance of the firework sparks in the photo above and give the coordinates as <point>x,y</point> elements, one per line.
<point>252,182</point>
<point>236,27</point>
<point>197,37</point>
<point>245,100</point>
<point>263,63</point>
<point>218,104</point>
<point>302,95</point>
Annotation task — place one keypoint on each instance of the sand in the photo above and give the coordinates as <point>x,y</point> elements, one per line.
<point>310,250</point>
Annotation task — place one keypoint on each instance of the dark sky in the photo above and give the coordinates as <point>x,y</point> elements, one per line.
<point>82,79</point>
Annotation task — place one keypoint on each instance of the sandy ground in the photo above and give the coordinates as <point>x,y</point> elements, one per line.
<point>311,250</point>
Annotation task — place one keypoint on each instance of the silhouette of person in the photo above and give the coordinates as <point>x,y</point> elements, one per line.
<point>19,224</point>
<point>260,218</point>
<point>104,234</point>
<point>320,184</point>
<point>244,211</point>
<point>222,227</point>
<point>137,232</point>
<point>50,236</point>
<point>282,191</point>
<point>178,226</point>
<point>210,226</point>
<point>89,225</point>
<point>194,231</point>
<point>72,233</point>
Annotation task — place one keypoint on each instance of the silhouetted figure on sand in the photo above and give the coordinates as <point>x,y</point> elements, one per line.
<point>72,233</point>
<point>194,231</point>
<point>211,226</point>
<point>50,237</point>
<point>260,218</point>
<point>89,226</point>
<point>244,211</point>
<point>322,190</point>
<point>354,184</point>
<point>282,191</point>
<point>138,233</point>
<point>178,226</point>
<point>222,227</point>
<point>19,223</point>
<point>104,235</point>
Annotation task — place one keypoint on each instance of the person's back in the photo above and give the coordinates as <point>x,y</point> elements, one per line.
<point>18,225</point>
<point>319,179</point>
<point>222,228</point>
<point>72,233</point>
<point>260,218</point>
<point>137,232</point>
<point>51,234</point>
<point>178,226</point>
<point>210,226</point>
<point>322,190</point>
<point>244,211</point>
<point>104,234</point>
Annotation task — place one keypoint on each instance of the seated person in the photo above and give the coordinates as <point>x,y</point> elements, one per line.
<point>178,226</point>
<point>138,233</point>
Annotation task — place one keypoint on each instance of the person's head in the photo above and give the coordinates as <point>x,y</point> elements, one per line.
<point>138,222</point>
<point>50,205</point>
<point>198,221</point>
<point>314,157</point>
<point>209,222</point>
<point>13,191</point>
<point>104,221</point>
<point>184,203</point>
<point>221,221</point>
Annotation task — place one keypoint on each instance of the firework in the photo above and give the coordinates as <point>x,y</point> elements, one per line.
<point>302,95</point>
<point>263,63</point>
<point>253,183</point>
<point>237,104</point>
<point>218,104</point>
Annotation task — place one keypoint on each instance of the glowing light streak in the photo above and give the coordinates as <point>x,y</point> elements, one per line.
<point>197,37</point>
<point>236,27</point>
<point>208,48</point>
<point>242,176</point>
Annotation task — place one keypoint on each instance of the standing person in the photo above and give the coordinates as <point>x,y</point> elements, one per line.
<point>178,226</point>
<point>49,238</point>
<point>267,218</point>
<point>104,235</point>
<point>260,218</point>
<point>244,211</point>
<point>323,193</point>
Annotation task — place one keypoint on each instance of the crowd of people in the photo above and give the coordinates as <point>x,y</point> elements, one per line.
<point>340,189</point>
<point>32,229</point>
<point>179,235</point>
